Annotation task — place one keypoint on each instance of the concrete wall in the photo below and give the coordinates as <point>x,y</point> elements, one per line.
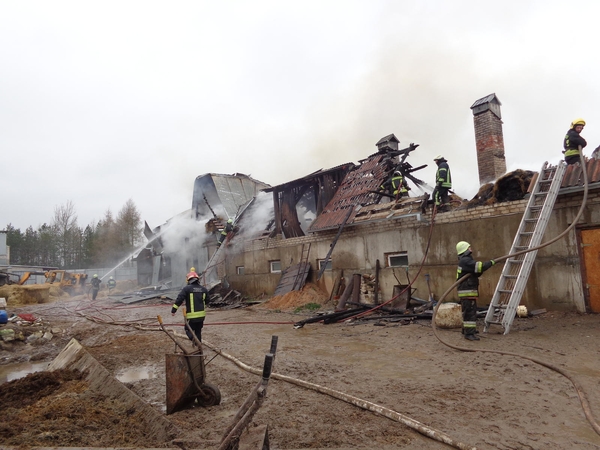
<point>555,282</point>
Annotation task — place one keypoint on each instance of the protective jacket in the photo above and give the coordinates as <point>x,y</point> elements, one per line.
<point>96,283</point>
<point>112,284</point>
<point>466,264</point>
<point>442,176</point>
<point>572,142</point>
<point>396,184</point>
<point>194,295</point>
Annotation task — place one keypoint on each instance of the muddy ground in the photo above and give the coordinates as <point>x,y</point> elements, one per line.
<point>488,401</point>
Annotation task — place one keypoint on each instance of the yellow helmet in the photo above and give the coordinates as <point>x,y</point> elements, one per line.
<point>462,247</point>
<point>578,122</point>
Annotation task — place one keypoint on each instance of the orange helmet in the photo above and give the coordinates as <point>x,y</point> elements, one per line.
<point>190,276</point>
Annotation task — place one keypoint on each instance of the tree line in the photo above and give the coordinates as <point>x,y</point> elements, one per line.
<point>64,244</point>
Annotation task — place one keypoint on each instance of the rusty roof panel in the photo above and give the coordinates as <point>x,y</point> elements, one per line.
<point>356,189</point>
<point>573,175</point>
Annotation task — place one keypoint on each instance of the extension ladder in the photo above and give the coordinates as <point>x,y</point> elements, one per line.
<point>515,273</point>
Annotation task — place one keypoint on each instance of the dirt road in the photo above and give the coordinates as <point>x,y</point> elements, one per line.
<point>487,401</point>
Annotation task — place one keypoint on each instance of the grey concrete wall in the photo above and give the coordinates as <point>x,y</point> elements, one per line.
<point>555,282</point>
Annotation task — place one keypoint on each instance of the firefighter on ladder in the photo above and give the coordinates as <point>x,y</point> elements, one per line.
<point>224,232</point>
<point>396,185</point>
<point>468,289</point>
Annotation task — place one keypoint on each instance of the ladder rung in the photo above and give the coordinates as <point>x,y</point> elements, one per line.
<point>526,232</point>
<point>530,220</point>
<point>516,247</point>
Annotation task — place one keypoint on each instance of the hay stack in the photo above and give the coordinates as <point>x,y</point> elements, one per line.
<point>25,295</point>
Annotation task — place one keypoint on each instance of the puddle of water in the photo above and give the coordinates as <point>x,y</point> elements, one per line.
<point>136,374</point>
<point>15,371</point>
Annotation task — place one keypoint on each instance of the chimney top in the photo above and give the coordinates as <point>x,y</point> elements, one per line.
<point>488,103</point>
<point>389,142</point>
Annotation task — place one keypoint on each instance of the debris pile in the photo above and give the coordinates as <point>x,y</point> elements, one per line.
<point>71,414</point>
<point>509,187</point>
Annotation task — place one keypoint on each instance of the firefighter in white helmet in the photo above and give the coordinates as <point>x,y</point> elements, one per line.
<point>573,140</point>
<point>468,289</point>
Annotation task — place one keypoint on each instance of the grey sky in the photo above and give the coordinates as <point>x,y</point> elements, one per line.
<point>102,101</point>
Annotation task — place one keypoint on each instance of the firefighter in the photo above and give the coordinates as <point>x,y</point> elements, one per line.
<point>573,140</point>
<point>468,289</point>
<point>194,295</point>
<point>111,284</point>
<point>95,286</point>
<point>443,183</point>
<point>396,185</point>
<point>223,234</point>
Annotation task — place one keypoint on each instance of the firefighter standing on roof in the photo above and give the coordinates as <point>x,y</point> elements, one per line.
<point>443,183</point>
<point>194,295</point>
<point>573,140</point>
<point>468,289</point>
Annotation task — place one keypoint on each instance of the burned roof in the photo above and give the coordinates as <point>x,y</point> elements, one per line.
<point>355,190</point>
<point>310,177</point>
<point>227,192</point>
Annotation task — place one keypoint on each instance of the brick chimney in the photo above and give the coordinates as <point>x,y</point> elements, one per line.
<point>489,139</point>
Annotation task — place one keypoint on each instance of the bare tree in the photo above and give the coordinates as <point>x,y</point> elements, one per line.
<point>65,225</point>
<point>129,224</point>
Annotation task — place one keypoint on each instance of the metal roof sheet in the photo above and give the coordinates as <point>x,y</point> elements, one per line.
<point>486,99</point>
<point>355,190</point>
<point>574,177</point>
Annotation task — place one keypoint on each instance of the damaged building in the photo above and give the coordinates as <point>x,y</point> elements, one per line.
<point>332,224</point>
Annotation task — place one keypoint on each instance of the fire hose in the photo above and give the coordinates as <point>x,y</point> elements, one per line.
<point>580,392</point>
<point>364,404</point>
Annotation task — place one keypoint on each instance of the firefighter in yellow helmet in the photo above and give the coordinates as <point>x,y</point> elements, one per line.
<point>468,289</point>
<point>224,232</point>
<point>573,140</point>
<point>396,185</point>
<point>194,295</point>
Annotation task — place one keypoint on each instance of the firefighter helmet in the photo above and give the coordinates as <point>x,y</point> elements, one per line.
<point>462,247</point>
<point>191,276</point>
<point>95,275</point>
<point>439,158</point>
<point>397,172</point>
<point>578,122</point>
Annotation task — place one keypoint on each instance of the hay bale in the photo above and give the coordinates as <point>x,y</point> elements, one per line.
<point>449,315</point>
<point>25,295</point>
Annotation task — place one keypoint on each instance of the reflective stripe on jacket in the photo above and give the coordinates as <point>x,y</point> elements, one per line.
<point>466,264</point>
<point>194,295</point>
<point>572,142</point>
<point>443,177</point>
